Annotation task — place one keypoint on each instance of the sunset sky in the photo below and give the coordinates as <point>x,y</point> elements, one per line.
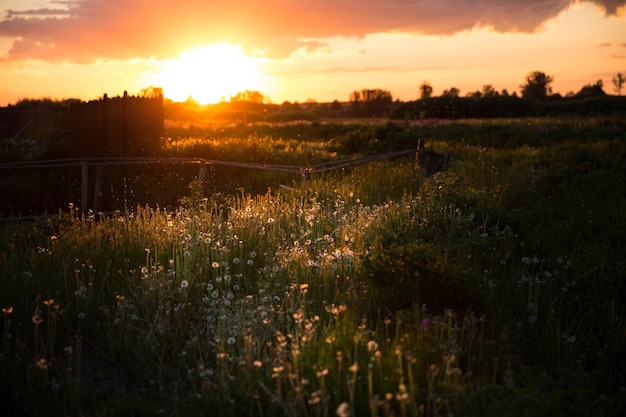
<point>294,50</point>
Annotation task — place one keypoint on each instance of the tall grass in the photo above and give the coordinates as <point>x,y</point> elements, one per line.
<point>492,289</point>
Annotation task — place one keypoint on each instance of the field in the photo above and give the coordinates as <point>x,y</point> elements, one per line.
<point>496,288</point>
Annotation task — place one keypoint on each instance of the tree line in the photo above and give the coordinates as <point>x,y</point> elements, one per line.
<point>535,99</point>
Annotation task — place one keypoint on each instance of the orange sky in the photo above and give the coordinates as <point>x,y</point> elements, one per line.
<point>293,50</point>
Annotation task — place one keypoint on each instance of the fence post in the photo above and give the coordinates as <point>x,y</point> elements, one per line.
<point>202,172</point>
<point>84,187</point>
<point>97,187</point>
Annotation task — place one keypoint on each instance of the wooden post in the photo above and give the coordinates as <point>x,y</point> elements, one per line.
<point>85,187</point>
<point>202,173</point>
<point>97,188</point>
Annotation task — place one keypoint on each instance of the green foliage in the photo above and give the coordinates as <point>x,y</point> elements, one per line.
<point>493,289</point>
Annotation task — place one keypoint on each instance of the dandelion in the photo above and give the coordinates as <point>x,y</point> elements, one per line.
<point>250,262</point>
<point>270,220</point>
<point>37,319</point>
<point>42,364</point>
<point>372,346</point>
<point>184,284</point>
<point>236,261</point>
<point>257,364</point>
<point>231,340</point>
<point>343,410</point>
<point>215,264</point>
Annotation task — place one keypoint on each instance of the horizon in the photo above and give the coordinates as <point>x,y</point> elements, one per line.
<point>323,52</point>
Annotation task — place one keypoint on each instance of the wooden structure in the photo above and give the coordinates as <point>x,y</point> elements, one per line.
<point>16,121</point>
<point>431,161</point>
<point>119,126</point>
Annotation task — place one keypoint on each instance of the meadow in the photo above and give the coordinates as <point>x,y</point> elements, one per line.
<point>496,288</point>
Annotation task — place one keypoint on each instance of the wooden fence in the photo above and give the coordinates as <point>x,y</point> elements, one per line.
<point>16,120</point>
<point>305,172</point>
<point>119,126</point>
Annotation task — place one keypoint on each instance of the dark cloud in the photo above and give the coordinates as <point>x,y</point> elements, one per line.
<point>85,30</point>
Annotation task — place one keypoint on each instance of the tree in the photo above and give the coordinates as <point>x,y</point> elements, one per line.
<point>370,103</point>
<point>452,92</point>
<point>488,90</point>
<point>151,92</point>
<point>591,90</point>
<point>618,83</point>
<point>537,86</point>
<point>249,96</point>
<point>426,90</point>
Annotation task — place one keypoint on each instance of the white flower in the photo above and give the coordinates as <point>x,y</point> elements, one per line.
<point>343,410</point>
<point>184,283</point>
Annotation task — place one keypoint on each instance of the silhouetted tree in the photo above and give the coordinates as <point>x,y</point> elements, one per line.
<point>618,82</point>
<point>591,90</point>
<point>368,103</point>
<point>335,106</point>
<point>452,92</point>
<point>489,91</point>
<point>249,96</point>
<point>151,92</point>
<point>537,86</point>
<point>426,90</point>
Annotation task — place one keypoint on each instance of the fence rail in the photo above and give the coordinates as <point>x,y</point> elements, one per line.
<point>99,163</point>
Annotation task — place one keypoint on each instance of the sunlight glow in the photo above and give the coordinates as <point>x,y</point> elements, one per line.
<point>209,74</point>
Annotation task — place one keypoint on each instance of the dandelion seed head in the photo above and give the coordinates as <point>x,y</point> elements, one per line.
<point>343,410</point>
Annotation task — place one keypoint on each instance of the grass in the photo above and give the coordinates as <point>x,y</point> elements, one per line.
<point>496,288</point>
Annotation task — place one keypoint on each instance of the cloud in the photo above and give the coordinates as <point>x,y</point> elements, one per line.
<point>87,30</point>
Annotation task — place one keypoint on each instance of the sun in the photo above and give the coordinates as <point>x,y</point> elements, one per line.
<point>209,74</point>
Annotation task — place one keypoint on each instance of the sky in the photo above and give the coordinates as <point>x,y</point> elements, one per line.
<point>295,50</point>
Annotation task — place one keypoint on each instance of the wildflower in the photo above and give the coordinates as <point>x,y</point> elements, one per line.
<point>250,262</point>
<point>184,283</point>
<point>257,364</point>
<point>354,368</point>
<point>343,410</point>
<point>7,310</point>
<point>37,319</point>
<point>236,261</point>
<point>42,364</point>
<point>270,220</point>
<point>215,264</point>
<point>372,346</point>
<point>231,340</point>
